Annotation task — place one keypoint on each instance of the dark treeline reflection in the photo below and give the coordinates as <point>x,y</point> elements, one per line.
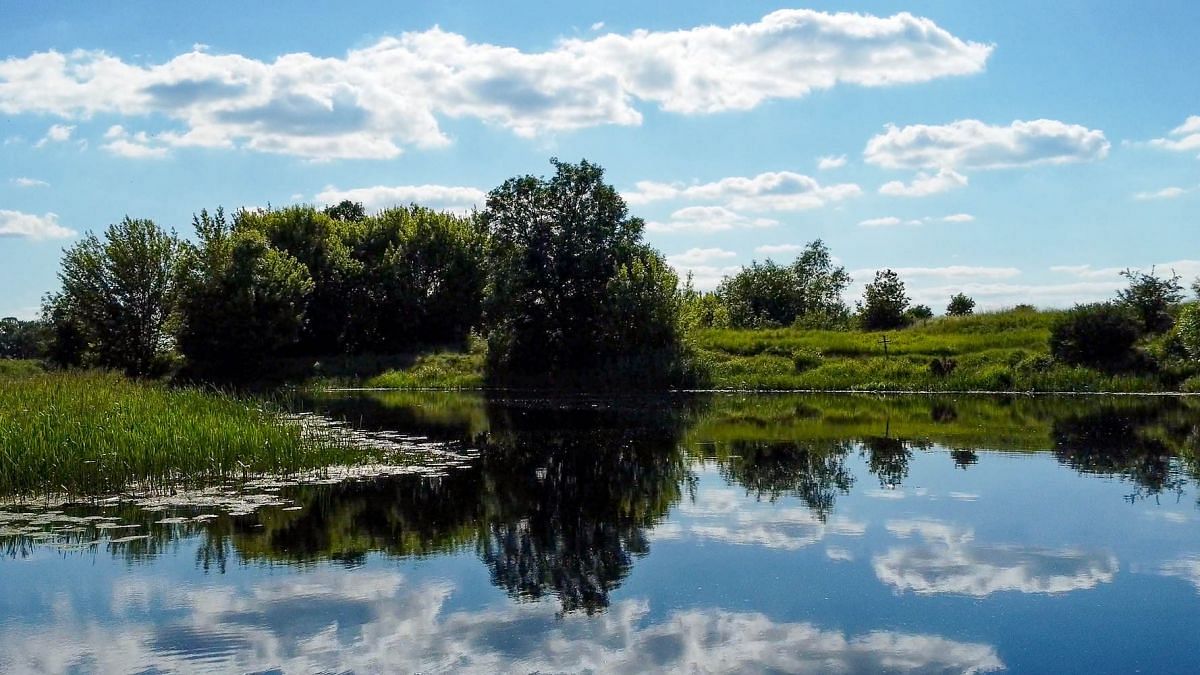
<point>562,495</point>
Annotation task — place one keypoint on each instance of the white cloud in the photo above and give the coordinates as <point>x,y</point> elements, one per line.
<point>769,191</point>
<point>598,25</point>
<point>374,101</point>
<point>779,249</point>
<point>1186,568</point>
<point>947,272</point>
<point>381,622</point>
<point>831,162</point>
<point>1184,268</point>
<point>1183,138</point>
<point>925,184</point>
<point>707,219</point>
<point>57,133</point>
<point>1165,193</point>
<point>136,146</point>
<point>32,226</point>
<point>720,515</point>
<point>460,199</point>
<point>949,561</point>
<point>706,277</point>
<point>958,218</point>
<point>972,144</point>
<point>699,256</point>
<point>885,221</point>
<point>29,182</point>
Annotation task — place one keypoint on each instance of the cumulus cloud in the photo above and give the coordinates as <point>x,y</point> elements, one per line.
<point>958,218</point>
<point>460,199</point>
<point>136,146</point>
<point>58,133</point>
<point>949,561</point>
<point>721,515</point>
<point>1183,138</point>
<point>374,101</point>
<point>29,182</point>
<point>831,162</point>
<point>378,622</point>
<point>32,226</point>
<point>700,256</point>
<point>885,221</point>
<point>925,184</point>
<point>1165,193</point>
<point>972,144</point>
<point>769,191</point>
<point>779,249</point>
<point>947,272</point>
<point>707,219</point>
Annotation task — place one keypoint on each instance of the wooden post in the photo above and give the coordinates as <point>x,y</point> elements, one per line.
<point>884,340</point>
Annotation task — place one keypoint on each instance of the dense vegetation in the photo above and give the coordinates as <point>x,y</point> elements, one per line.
<point>552,285</point>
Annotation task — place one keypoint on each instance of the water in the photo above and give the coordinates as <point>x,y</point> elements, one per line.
<point>722,533</point>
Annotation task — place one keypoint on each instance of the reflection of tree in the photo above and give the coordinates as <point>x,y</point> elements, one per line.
<point>814,472</point>
<point>887,458</point>
<point>964,458</point>
<point>1138,442</point>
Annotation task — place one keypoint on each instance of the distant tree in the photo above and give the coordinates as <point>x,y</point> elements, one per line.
<point>1151,297</point>
<point>347,211</point>
<point>1100,335</point>
<point>240,299</point>
<point>1187,330</point>
<point>884,302</point>
<point>700,309</point>
<point>117,294</point>
<point>918,313</point>
<point>808,292</point>
<point>960,305</point>
<point>572,287</point>
<point>23,339</point>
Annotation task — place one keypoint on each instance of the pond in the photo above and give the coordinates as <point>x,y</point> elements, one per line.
<point>720,533</point>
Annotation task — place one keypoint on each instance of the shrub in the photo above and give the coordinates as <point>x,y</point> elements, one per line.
<point>1151,298</point>
<point>919,313</point>
<point>804,359</point>
<point>1187,330</point>
<point>1100,335</point>
<point>809,291</point>
<point>960,305</point>
<point>942,367</point>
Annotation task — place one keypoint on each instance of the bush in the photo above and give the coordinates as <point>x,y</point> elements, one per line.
<point>808,292</point>
<point>804,359</point>
<point>1100,335</point>
<point>1187,330</point>
<point>1151,298</point>
<point>919,313</point>
<point>960,305</point>
<point>942,367</point>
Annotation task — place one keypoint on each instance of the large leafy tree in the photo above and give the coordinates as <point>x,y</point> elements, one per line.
<point>240,299</point>
<point>572,287</point>
<point>117,295</point>
<point>808,291</point>
<point>1151,297</point>
<point>884,302</point>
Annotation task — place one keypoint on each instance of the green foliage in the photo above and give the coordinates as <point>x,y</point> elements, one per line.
<point>1151,298</point>
<point>240,299</point>
<point>884,302</point>
<point>960,305</point>
<point>1187,330</point>
<point>1099,335</point>
<point>700,309</point>
<point>807,292</point>
<point>23,339</point>
<point>346,211</point>
<point>573,290</point>
<point>117,296</point>
<point>918,313</point>
<point>94,432</point>
<point>942,366</point>
<point>420,281</point>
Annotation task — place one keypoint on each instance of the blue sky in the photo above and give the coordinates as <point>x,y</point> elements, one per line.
<point>1018,151</point>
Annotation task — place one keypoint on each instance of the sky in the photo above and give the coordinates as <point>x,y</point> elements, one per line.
<point>1021,152</point>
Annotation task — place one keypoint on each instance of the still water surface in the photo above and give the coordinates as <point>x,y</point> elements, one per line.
<point>755,533</point>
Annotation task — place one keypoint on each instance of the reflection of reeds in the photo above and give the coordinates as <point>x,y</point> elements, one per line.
<point>88,433</point>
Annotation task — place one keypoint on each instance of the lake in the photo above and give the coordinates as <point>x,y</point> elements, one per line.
<point>719,532</point>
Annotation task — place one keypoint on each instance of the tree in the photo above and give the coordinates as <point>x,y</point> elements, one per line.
<point>884,302</point>
<point>1099,335</point>
<point>240,299</point>
<point>960,305</point>
<point>23,339</point>
<point>421,279</point>
<point>1151,297</point>
<point>807,292</point>
<point>1187,330</point>
<point>347,211</point>
<point>918,313</point>
<point>118,294</point>
<point>572,287</point>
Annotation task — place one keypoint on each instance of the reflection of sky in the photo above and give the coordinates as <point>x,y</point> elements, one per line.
<point>378,622</point>
<point>1017,561</point>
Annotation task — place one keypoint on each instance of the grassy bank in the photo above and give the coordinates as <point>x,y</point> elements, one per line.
<point>91,432</point>
<point>1000,351</point>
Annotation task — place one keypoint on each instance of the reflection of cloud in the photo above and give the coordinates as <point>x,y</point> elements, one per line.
<point>1186,568</point>
<point>949,562</point>
<point>838,554</point>
<point>374,622</point>
<point>719,515</point>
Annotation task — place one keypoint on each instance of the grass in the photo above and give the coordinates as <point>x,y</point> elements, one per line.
<point>94,432</point>
<point>995,351</point>
<point>20,367</point>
